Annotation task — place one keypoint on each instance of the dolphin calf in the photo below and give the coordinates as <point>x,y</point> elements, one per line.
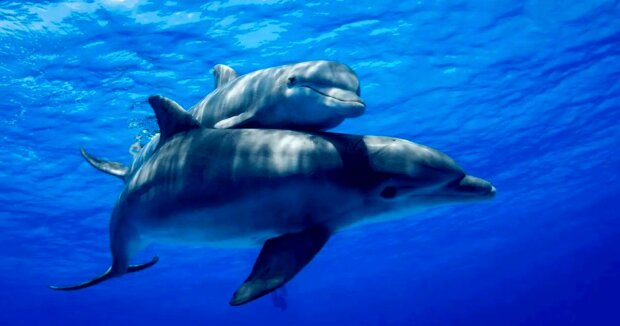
<point>284,190</point>
<point>312,95</point>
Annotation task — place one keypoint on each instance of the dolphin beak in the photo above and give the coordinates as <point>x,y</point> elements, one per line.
<point>344,98</point>
<point>470,186</point>
<point>341,94</point>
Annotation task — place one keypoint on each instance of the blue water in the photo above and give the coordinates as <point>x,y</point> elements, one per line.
<point>525,94</point>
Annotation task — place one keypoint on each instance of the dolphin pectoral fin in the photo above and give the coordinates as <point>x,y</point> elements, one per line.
<point>235,122</point>
<point>105,276</point>
<point>112,168</point>
<point>279,261</point>
<point>223,74</point>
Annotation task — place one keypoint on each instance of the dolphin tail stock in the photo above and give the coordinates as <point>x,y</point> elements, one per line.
<point>105,276</point>
<point>280,259</point>
<point>112,168</point>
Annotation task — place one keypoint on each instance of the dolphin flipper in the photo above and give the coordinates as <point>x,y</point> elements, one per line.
<point>105,276</point>
<point>237,121</point>
<point>113,168</point>
<point>279,261</point>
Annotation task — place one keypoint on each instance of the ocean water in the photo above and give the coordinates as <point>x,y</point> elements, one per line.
<point>525,94</point>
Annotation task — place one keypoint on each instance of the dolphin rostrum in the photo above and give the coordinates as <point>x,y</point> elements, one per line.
<point>286,190</point>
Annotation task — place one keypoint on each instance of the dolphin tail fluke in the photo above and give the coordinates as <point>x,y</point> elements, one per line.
<point>105,276</point>
<point>112,168</point>
<point>279,261</point>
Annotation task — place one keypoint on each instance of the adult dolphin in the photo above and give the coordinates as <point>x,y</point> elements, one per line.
<point>285,190</point>
<point>311,95</point>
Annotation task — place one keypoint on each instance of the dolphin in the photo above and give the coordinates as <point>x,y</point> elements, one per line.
<point>311,95</point>
<point>284,190</point>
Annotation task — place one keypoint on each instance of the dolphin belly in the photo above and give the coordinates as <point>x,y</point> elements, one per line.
<point>204,227</point>
<point>269,210</point>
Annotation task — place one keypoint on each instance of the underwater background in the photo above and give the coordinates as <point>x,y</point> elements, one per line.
<point>525,94</point>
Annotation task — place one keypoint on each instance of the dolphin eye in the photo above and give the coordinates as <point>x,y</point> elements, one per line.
<point>388,192</point>
<point>291,80</point>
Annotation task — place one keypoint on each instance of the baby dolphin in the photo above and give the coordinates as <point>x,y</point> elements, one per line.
<point>312,95</point>
<point>286,190</point>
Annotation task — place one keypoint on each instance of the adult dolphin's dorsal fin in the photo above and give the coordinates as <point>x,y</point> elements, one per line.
<point>171,117</point>
<point>223,74</point>
<point>112,168</point>
<point>279,261</point>
<point>105,276</point>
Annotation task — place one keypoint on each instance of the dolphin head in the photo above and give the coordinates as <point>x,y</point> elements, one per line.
<point>319,89</point>
<point>411,176</point>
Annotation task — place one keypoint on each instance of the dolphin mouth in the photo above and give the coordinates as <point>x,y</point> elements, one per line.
<point>338,94</point>
<point>465,188</point>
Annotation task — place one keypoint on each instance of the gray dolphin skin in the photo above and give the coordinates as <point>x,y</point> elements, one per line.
<point>284,190</point>
<point>312,95</point>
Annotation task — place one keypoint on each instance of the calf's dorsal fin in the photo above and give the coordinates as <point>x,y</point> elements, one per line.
<point>171,118</point>
<point>223,74</point>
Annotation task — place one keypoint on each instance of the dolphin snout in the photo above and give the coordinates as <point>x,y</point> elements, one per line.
<point>337,93</point>
<point>473,186</point>
<point>350,104</point>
